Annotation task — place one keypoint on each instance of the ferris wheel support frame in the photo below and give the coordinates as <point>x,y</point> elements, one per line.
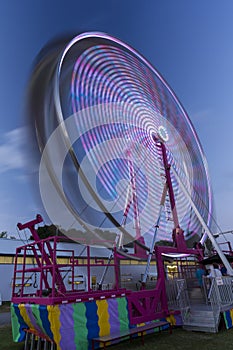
<point>205,226</point>
<point>151,252</point>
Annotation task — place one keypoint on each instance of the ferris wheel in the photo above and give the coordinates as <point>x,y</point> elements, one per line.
<point>112,135</point>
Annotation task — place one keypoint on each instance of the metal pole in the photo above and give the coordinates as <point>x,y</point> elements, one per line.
<point>134,198</point>
<point>169,184</point>
<point>118,242</point>
<point>119,237</point>
<point>154,238</point>
<point>207,230</point>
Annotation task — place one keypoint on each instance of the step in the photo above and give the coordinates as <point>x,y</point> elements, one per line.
<point>197,301</point>
<point>203,316</point>
<point>196,295</point>
<point>201,322</point>
<point>198,328</point>
<point>201,313</point>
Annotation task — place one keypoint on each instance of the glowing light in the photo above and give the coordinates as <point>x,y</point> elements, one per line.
<point>162,133</point>
<point>117,100</point>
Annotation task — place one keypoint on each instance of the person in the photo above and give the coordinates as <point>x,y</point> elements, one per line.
<point>200,272</point>
<point>223,270</point>
<point>215,272</point>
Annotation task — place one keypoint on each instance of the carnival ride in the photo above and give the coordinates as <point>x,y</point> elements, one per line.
<point>119,154</point>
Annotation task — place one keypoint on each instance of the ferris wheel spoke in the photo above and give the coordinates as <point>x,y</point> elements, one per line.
<point>105,103</point>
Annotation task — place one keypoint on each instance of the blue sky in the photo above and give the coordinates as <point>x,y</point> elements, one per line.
<point>188,42</point>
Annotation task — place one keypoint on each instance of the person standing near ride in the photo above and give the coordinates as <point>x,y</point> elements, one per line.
<point>223,270</point>
<point>215,272</point>
<point>200,272</point>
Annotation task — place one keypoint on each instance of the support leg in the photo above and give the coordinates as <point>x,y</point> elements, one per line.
<point>38,344</point>
<point>26,342</point>
<point>32,342</point>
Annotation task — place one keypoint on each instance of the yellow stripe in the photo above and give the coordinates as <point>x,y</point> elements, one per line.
<point>171,319</point>
<point>231,313</point>
<point>103,315</point>
<point>23,313</point>
<point>54,319</point>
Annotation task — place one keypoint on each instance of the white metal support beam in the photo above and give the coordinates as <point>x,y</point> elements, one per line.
<point>204,225</point>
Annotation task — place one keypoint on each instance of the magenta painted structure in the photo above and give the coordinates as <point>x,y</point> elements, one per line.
<point>144,305</point>
<point>52,289</point>
<point>74,325</point>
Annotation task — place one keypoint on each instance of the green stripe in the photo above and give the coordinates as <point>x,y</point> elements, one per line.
<point>123,313</point>
<point>80,327</point>
<point>15,325</point>
<point>36,313</point>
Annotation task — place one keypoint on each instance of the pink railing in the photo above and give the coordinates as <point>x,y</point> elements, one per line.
<point>51,274</point>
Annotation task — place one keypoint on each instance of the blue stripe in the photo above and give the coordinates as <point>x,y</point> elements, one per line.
<point>44,316</point>
<point>92,321</point>
<point>22,324</point>
<point>228,319</point>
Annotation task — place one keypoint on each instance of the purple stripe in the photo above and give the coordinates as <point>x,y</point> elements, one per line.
<point>67,327</point>
<point>33,319</point>
<point>113,315</point>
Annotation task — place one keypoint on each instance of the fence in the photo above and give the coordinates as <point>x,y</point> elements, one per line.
<point>177,295</point>
<point>219,290</point>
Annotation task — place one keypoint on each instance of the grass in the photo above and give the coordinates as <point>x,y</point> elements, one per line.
<point>6,342</point>
<point>178,340</point>
<point>5,307</point>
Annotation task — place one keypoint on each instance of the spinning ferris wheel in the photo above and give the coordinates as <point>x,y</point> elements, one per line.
<point>119,152</point>
<point>120,162</point>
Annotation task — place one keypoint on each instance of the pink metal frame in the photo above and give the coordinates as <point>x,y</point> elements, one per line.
<point>148,305</point>
<point>51,288</point>
<point>144,305</point>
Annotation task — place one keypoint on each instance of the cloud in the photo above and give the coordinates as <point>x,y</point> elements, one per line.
<point>200,116</point>
<point>13,150</point>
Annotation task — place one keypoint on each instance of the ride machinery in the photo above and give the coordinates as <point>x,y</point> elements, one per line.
<point>121,165</point>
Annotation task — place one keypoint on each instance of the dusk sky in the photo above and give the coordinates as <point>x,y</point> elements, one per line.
<point>189,42</point>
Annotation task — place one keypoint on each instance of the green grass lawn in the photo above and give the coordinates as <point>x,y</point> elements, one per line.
<point>6,342</point>
<point>182,340</point>
<point>178,340</point>
<point>5,307</point>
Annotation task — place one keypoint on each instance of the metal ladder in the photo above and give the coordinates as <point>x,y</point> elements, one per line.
<point>34,342</point>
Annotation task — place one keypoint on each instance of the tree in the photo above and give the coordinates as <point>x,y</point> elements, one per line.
<point>46,231</point>
<point>164,243</point>
<point>79,236</point>
<point>3,234</point>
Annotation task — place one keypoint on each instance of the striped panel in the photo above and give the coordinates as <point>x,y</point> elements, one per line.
<point>67,327</point>
<point>123,313</point>
<point>231,316</point>
<point>92,321</point>
<point>80,326</point>
<point>227,319</point>
<point>103,317</point>
<point>113,315</point>
<point>32,318</point>
<point>24,314</point>
<point>54,319</point>
<point>44,316</point>
<point>18,324</point>
<point>36,314</point>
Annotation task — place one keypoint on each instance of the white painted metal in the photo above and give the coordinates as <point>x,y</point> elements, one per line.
<point>204,225</point>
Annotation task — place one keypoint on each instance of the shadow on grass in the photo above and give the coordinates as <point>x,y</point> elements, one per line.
<point>6,342</point>
<point>182,340</point>
<point>178,340</point>
<point>5,307</point>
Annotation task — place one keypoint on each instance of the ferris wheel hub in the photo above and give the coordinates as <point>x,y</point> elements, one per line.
<point>162,133</point>
<point>106,110</point>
